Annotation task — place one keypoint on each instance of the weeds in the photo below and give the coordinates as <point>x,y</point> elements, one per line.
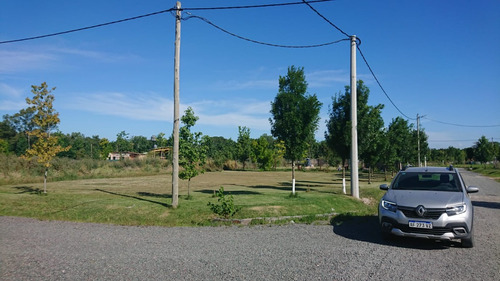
<point>226,207</point>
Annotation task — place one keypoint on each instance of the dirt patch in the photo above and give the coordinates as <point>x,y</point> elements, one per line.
<point>266,208</point>
<point>368,201</point>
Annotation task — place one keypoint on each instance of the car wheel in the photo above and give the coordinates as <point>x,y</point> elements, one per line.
<point>468,242</point>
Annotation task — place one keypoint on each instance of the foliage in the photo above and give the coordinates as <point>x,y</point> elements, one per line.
<point>400,142</point>
<point>295,115</point>
<point>370,126</point>
<point>262,152</point>
<point>192,148</point>
<point>46,119</point>
<point>221,150</point>
<point>244,145</point>
<point>225,207</point>
<point>484,150</point>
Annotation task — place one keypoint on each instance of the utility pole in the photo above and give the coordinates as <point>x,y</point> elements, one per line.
<point>354,123</point>
<point>418,140</point>
<point>175,148</point>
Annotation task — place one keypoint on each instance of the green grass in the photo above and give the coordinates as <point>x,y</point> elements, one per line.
<point>146,200</point>
<point>488,170</point>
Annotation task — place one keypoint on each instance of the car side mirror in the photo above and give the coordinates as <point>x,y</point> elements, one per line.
<point>384,186</point>
<point>472,189</point>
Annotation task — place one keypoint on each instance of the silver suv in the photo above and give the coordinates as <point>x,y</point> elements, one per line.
<point>428,202</point>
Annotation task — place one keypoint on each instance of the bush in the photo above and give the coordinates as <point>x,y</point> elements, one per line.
<point>226,207</point>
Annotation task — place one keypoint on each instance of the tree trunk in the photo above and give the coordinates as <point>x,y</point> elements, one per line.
<point>293,177</point>
<point>369,175</point>
<point>45,180</point>
<point>343,179</point>
<point>189,184</point>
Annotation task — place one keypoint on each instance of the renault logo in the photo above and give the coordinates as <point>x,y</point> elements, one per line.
<point>420,210</point>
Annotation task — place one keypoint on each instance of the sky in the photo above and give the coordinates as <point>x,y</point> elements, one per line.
<point>437,59</point>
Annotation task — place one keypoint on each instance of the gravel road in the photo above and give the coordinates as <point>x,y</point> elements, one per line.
<point>51,250</point>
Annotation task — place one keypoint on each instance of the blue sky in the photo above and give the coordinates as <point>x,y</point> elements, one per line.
<point>438,59</point>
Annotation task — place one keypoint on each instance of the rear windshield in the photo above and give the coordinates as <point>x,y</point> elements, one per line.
<point>427,181</point>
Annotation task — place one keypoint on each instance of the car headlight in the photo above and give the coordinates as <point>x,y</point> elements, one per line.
<point>388,205</point>
<point>456,210</point>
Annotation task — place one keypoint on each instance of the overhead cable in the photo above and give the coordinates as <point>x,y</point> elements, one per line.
<point>323,17</point>
<point>380,85</point>
<point>461,125</point>
<point>253,6</point>
<point>88,27</point>
<point>260,42</point>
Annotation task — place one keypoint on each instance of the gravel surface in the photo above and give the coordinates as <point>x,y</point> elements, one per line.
<point>53,250</point>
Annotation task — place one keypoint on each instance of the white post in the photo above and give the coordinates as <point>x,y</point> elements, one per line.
<point>418,140</point>
<point>175,148</point>
<point>354,123</point>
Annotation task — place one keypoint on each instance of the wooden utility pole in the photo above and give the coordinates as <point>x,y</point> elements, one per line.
<point>175,148</point>
<point>354,123</point>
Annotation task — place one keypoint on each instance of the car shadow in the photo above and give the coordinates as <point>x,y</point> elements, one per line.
<point>366,229</point>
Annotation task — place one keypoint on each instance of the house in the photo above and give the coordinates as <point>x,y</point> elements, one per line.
<point>114,156</point>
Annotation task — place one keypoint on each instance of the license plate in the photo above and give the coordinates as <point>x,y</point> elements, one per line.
<point>420,224</point>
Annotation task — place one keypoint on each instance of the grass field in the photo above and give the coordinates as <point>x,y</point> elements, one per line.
<point>146,200</point>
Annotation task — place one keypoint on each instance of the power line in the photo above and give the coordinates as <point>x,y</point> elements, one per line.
<point>323,17</point>
<point>253,6</point>
<point>461,125</point>
<point>153,14</point>
<point>88,27</point>
<point>380,85</point>
<point>260,42</point>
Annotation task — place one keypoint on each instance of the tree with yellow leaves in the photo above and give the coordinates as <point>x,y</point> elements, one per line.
<point>46,119</point>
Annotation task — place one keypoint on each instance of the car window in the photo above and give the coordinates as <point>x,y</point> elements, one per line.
<point>427,181</point>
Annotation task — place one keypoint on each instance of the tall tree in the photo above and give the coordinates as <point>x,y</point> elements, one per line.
<point>244,145</point>
<point>192,148</point>
<point>370,126</point>
<point>400,141</point>
<point>122,143</point>
<point>46,119</point>
<point>484,150</point>
<point>295,116</point>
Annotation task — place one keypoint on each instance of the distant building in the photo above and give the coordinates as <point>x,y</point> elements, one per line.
<point>114,156</point>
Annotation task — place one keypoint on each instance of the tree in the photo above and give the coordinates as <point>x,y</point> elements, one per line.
<point>192,148</point>
<point>262,152</point>
<point>46,119</point>
<point>400,141</point>
<point>122,143</point>
<point>483,150</point>
<point>244,145</point>
<point>140,144</point>
<point>370,126</point>
<point>295,116</point>
<point>106,148</point>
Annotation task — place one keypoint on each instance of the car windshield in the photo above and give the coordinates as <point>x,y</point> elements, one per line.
<point>427,181</point>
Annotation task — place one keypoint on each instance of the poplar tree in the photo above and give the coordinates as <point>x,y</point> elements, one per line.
<point>295,116</point>
<point>46,147</point>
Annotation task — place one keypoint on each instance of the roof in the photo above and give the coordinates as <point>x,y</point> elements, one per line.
<point>449,169</point>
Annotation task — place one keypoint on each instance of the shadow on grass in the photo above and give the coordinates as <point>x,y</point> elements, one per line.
<point>155,195</point>
<point>235,192</point>
<point>366,229</point>
<point>486,204</point>
<point>135,197</point>
<point>28,189</point>
<point>285,187</point>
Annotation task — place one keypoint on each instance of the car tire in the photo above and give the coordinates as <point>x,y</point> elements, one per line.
<point>468,242</point>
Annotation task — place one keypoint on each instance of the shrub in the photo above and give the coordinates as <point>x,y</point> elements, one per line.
<point>226,207</point>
